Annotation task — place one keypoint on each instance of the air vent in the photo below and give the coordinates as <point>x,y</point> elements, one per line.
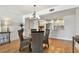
<point>50,10</point>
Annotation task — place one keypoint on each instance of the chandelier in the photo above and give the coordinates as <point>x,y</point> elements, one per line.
<point>34,15</point>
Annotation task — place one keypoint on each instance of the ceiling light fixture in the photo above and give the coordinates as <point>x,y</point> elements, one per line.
<point>34,15</point>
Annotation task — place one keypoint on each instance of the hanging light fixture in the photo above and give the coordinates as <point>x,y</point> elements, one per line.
<point>34,15</point>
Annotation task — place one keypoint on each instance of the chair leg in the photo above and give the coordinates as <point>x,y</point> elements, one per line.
<point>30,49</point>
<point>20,49</point>
<point>48,45</point>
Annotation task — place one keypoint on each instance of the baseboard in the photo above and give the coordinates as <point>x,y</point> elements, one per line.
<point>61,38</point>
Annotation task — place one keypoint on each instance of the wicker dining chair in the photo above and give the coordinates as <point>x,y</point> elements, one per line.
<point>46,37</point>
<point>24,43</point>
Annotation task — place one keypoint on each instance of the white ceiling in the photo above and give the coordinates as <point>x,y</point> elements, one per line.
<point>59,14</point>
<point>22,9</point>
<point>16,12</point>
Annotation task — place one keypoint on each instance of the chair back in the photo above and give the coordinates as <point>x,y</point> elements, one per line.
<point>47,34</point>
<point>20,34</point>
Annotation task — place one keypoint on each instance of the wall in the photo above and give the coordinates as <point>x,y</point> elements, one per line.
<point>30,24</point>
<point>68,30</point>
<point>77,27</point>
<point>69,17</point>
<point>16,19</point>
<point>69,26</point>
<point>26,28</point>
<point>77,22</point>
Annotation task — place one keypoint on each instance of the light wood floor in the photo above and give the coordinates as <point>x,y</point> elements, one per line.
<point>55,46</point>
<point>59,46</point>
<point>10,47</point>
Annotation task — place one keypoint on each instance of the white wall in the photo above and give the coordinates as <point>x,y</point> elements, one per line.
<point>68,30</point>
<point>77,22</point>
<point>16,20</point>
<point>27,28</point>
<point>69,26</point>
<point>77,27</point>
<point>69,17</point>
<point>15,26</point>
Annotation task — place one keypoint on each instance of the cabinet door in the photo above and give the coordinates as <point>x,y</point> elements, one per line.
<point>4,37</point>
